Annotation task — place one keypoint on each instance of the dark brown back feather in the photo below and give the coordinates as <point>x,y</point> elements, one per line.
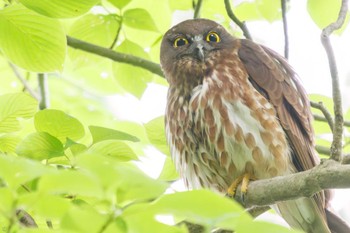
<point>273,77</point>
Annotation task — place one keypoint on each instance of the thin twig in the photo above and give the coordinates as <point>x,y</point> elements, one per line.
<point>24,82</point>
<point>115,56</point>
<point>323,119</point>
<point>323,150</point>
<point>325,112</point>
<point>197,9</point>
<point>285,28</point>
<point>336,148</point>
<point>117,34</point>
<point>240,24</point>
<point>44,92</point>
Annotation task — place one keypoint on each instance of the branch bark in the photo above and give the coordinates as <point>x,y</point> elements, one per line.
<point>234,18</point>
<point>285,28</point>
<point>115,56</point>
<point>328,175</point>
<point>336,148</point>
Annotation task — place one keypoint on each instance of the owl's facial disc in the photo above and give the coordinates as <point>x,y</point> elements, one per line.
<point>197,48</point>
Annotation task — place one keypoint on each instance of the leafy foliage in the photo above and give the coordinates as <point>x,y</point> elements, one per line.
<point>73,167</point>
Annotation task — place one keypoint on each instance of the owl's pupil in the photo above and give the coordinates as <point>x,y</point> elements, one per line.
<point>180,42</point>
<point>213,38</point>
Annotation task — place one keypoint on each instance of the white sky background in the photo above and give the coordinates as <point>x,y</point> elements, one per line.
<point>306,55</point>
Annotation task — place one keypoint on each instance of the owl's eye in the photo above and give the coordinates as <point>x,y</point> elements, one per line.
<point>213,37</point>
<point>180,41</point>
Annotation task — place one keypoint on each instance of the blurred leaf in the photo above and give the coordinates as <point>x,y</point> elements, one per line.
<point>72,182</point>
<point>58,124</point>
<point>76,148</point>
<point>193,205</point>
<point>156,134</point>
<point>39,146</point>
<point>48,206</point>
<point>125,181</point>
<point>32,41</point>
<point>85,218</point>
<point>133,79</point>
<point>15,171</point>
<point>119,3</point>
<point>140,19</point>
<point>168,172</point>
<point>247,11</point>
<point>100,134</point>
<point>114,148</point>
<point>60,8</point>
<point>7,199</point>
<point>265,227</point>
<point>181,4</point>
<point>138,218</point>
<point>96,29</point>
<point>325,12</point>
<point>8,143</point>
<point>269,9</point>
<point>14,106</point>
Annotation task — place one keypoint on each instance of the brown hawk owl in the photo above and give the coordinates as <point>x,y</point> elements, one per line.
<point>235,111</point>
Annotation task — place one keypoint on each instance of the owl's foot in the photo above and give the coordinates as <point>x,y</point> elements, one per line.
<point>244,180</point>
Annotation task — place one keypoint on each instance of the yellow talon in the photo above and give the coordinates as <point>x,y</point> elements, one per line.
<point>244,179</point>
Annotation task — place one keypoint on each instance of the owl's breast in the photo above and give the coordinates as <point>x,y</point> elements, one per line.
<point>227,129</point>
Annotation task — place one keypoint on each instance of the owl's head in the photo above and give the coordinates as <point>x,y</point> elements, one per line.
<point>190,45</point>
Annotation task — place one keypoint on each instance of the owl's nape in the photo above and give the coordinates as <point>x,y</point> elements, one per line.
<point>234,108</point>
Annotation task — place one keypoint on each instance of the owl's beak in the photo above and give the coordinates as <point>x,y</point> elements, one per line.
<point>199,52</point>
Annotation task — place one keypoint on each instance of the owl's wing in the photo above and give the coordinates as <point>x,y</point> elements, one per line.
<point>274,78</point>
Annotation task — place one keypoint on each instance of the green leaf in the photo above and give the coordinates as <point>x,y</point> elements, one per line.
<point>85,218</point>
<point>114,148</point>
<point>119,3</point>
<point>15,171</point>
<point>39,146</point>
<point>264,227</point>
<point>32,41</point>
<point>100,134</point>
<point>74,182</point>
<point>8,143</point>
<point>156,134</point>
<point>58,124</point>
<point>14,106</point>
<point>247,11</point>
<point>60,8</point>
<point>138,218</point>
<point>180,4</point>
<point>193,206</point>
<point>168,172</point>
<point>269,9</point>
<point>133,79</point>
<point>96,29</point>
<point>140,19</point>
<point>125,181</point>
<point>325,12</point>
<point>46,205</point>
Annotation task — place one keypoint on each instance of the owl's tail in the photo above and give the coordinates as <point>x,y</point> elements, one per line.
<point>336,224</point>
<point>305,214</point>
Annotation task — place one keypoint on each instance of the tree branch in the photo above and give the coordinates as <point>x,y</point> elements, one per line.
<point>44,91</point>
<point>197,9</point>
<point>325,112</point>
<point>285,28</point>
<point>328,175</point>
<point>240,24</point>
<point>336,148</point>
<point>115,56</point>
<point>24,82</point>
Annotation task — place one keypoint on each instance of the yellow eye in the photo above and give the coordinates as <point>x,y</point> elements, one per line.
<point>180,41</point>
<point>213,37</point>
